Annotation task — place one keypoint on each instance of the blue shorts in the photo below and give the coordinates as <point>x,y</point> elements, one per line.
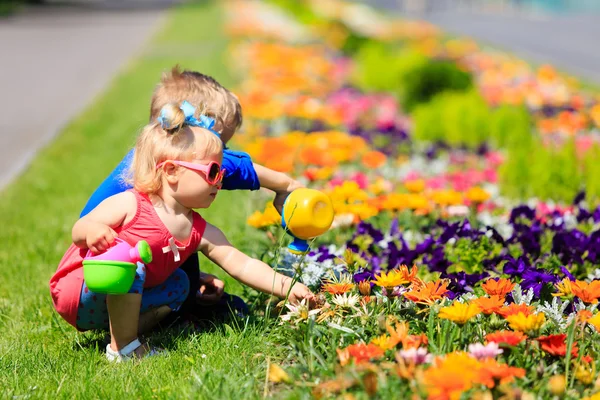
<point>93,313</point>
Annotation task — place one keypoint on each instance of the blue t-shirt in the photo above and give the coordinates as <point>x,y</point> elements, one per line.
<point>239,175</point>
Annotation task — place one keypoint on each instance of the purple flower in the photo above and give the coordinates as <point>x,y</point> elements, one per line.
<point>462,282</point>
<point>579,198</point>
<point>536,279</point>
<point>569,246</point>
<point>363,276</point>
<point>521,212</point>
<point>565,271</point>
<point>394,228</point>
<point>517,267</point>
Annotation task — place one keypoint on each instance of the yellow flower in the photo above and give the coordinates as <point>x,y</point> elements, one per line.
<point>261,219</point>
<point>459,312</point>
<point>585,373</point>
<point>391,279</point>
<point>384,342</point>
<point>277,374</point>
<point>415,185</point>
<point>521,322</point>
<point>595,322</point>
<point>477,194</point>
<point>557,384</point>
<point>564,288</point>
<point>446,198</point>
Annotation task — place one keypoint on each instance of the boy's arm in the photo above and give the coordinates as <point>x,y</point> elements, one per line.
<point>243,174</point>
<point>247,270</point>
<point>278,182</point>
<point>112,185</point>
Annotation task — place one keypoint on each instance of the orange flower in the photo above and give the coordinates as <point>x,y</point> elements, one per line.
<point>415,341</point>
<point>498,287</point>
<point>373,159</point>
<point>514,309</point>
<point>428,293</point>
<point>450,376</point>
<point>489,305</point>
<point>583,316</point>
<point>587,292</point>
<point>506,337</point>
<point>399,331</point>
<point>361,352</point>
<point>338,287</point>
<point>491,371</point>
<point>556,346</point>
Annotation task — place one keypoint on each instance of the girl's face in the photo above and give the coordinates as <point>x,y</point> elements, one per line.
<point>193,189</point>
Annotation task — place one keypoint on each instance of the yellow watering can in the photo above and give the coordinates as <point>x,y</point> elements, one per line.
<point>306,214</point>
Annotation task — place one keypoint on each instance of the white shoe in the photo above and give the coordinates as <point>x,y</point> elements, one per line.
<point>128,352</point>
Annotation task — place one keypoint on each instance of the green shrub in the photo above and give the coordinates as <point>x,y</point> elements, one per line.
<point>464,118</point>
<point>510,124</point>
<point>455,118</point>
<point>534,170</point>
<point>380,67</point>
<point>421,83</point>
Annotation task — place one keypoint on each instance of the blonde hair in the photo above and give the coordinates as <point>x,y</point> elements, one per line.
<point>203,92</point>
<point>170,139</point>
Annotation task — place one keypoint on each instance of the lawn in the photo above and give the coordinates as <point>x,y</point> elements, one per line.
<point>41,356</point>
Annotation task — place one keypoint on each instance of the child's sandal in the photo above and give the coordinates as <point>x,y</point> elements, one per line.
<point>128,352</point>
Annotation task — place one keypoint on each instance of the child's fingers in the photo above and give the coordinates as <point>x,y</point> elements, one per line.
<point>113,235</point>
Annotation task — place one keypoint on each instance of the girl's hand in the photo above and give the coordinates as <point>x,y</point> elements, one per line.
<point>211,289</point>
<point>300,292</point>
<point>100,237</point>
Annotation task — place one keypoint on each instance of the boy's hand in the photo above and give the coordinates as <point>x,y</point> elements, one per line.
<point>211,289</point>
<point>300,292</point>
<point>100,237</point>
<point>280,196</point>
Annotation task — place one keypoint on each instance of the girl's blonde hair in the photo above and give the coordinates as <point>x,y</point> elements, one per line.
<point>169,139</point>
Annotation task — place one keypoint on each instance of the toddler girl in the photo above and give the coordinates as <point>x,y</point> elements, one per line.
<point>176,168</point>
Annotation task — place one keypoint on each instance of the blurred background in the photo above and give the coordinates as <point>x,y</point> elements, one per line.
<point>58,54</point>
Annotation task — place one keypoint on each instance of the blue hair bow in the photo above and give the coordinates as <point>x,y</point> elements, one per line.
<point>189,111</point>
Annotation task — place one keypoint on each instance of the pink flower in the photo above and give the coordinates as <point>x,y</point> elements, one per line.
<point>480,351</point>
<point>361,179</point>
<point>415,356</point>
<point>494,159</point>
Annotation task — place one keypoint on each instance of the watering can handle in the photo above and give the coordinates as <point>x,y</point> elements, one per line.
<point>89,252</point>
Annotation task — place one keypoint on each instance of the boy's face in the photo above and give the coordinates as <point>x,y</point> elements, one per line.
<point>226,134</point>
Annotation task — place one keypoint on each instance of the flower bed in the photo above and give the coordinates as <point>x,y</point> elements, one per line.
<point>438,277</point>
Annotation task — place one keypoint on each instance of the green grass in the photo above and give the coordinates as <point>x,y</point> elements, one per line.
<point>41,356</point>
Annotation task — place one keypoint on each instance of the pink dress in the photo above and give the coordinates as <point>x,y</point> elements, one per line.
<point>167,255</point>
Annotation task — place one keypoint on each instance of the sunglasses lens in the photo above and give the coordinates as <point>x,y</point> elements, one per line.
<point>213,173</point>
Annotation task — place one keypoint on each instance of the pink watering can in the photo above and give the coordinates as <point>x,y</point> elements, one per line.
<point>113,271</point>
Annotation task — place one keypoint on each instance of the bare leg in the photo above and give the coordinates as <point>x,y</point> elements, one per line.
<point>124,313</point>
<point>150,318</point>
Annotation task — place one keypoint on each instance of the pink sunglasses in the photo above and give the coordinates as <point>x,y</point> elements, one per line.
<point>212,171</point>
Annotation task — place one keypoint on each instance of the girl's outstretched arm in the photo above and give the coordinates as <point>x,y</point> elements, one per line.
<point>247,270</point>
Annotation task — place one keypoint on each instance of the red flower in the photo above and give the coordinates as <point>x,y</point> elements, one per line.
<point>506,337</point>
<point>364,352</point>
<point>556,346</point>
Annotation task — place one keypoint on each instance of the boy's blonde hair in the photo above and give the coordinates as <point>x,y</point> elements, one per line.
<point>203,92</point>
<point>170,139</point>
